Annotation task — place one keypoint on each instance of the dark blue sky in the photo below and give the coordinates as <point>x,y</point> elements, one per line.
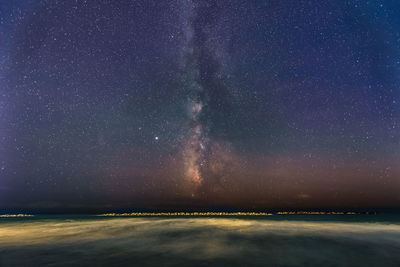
<point>181,103</point>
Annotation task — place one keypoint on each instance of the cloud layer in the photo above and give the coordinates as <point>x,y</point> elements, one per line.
<point>198,241</point>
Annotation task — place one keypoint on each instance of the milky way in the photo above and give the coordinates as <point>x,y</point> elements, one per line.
<point>194,147</point>
<point>205,88</point>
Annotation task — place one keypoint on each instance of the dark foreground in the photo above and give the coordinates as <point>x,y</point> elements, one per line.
<point>96,241</point>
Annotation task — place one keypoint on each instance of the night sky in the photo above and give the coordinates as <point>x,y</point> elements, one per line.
<point>184,103</point>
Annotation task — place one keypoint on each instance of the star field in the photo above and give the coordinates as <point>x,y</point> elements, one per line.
<point>185,103</point>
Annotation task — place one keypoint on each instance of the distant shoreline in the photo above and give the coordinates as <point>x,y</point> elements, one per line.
<point>186,214</point>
